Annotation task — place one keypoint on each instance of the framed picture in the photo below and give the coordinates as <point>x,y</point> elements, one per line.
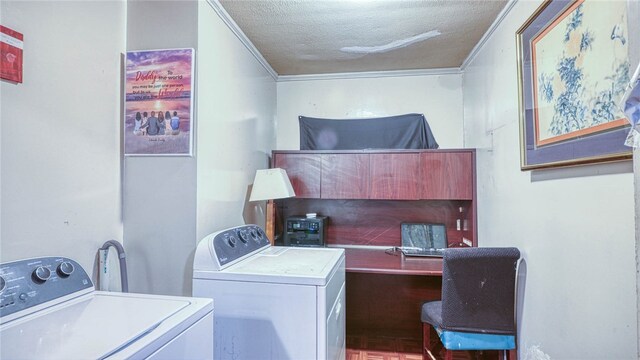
<point>11,44</point>
<point>158,117</point>
<point>573,68</point>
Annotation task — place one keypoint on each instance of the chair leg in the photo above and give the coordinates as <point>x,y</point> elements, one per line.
<point>426,342</point>
<point>448,354</point>
<point>508,354</point>
<point>431,345</point>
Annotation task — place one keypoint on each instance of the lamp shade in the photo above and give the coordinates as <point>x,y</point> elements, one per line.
<point>271,184</point>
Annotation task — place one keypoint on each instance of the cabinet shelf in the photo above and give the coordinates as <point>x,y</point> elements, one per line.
<point>368,194</point>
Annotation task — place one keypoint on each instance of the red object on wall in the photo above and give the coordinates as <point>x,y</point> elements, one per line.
<point>10,54</point>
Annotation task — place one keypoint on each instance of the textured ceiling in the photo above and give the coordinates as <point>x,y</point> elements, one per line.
<point>318,37</point>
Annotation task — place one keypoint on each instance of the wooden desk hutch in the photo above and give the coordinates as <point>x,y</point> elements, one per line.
<point>367,194</point>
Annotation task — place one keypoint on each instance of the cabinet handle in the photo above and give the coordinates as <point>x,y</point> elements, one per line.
<point>338,309</point>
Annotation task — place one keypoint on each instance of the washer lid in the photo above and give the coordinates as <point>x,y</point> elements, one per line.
<point>91,327</point>
<point>287,265</point>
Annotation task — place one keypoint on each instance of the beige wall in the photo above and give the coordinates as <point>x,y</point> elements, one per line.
<point>61,169</point>
<point>438,97</point>
<point>574,226</point>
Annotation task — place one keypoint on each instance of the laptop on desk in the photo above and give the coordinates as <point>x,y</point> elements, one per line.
<point>427,240</point>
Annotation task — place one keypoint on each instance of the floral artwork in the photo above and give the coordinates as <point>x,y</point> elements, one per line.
<point>631,106</point>
<point>574,69</point>
<point>581,70</point>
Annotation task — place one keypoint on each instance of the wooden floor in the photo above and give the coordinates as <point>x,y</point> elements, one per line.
<point>387,348</point>
<point>382,348</point>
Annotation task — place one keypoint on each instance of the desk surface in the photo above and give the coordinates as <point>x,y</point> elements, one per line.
<point>379,261</point>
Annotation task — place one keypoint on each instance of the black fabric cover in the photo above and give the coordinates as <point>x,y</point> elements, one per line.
<point>478,290</point>
<point>410,131</point>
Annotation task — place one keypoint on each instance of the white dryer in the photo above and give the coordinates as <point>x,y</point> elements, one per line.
<point>49,310</point>
<point>271,302</point>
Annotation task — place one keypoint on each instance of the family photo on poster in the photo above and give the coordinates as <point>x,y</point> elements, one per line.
<point>159,102</point>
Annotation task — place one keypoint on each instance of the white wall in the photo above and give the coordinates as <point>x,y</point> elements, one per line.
<point>236,110</point>
<point>574,226</point>
<point>194,196</point>
<point>61,192</point>
<point>61,160</point>
<point>636,175</point>
<point>438,97</point>
<point>159,192</point>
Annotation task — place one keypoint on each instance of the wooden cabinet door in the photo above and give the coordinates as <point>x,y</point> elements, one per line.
<point>303,171</point>
<point>395,176</point>
<point>447,175</point>
<point>345,176</point>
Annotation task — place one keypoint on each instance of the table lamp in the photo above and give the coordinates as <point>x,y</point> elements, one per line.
<point>270,184</point>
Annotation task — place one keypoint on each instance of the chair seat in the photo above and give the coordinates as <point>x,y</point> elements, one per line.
<point>432,313</point>
<point>457,340</point>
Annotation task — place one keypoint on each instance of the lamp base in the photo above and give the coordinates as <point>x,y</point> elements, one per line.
<point>270,223</point>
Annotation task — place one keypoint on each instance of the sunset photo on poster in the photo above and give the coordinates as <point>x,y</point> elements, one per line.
<point>159,102</point>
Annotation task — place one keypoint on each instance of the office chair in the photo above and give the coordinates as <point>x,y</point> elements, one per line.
<point>477,310</point>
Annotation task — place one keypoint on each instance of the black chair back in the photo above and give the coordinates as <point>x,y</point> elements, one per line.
<point>478,290</point>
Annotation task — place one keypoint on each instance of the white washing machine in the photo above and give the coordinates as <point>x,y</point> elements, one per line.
<point>271,302</point>
<point>50,310</point>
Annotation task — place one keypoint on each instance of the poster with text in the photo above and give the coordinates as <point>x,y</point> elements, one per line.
<point>158,117</point>
<point>11,43</point>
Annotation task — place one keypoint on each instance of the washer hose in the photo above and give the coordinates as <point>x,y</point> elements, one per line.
<point>123,262</point>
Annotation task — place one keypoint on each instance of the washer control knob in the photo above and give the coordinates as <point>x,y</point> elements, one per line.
<point>3,284</point>
<point>242,234</point>
<point>232,241</point>
<point>65,269</point>
<point>41,274</point>
<point>254,235</point>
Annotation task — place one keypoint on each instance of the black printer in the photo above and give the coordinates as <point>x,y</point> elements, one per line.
<point>304,231</point>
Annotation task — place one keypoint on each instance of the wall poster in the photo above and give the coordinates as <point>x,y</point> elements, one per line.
<point>158,117</point>
<point>11,43</point>
<point>573,71</point>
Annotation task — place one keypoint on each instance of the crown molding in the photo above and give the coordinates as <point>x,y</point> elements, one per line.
<point>476,49</point>
<point>370,74</point>
<point>235,29</point>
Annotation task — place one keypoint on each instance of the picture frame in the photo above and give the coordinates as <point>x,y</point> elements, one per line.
<point>158,112</point>
<point>573,70</point>
<point>11,48</point>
